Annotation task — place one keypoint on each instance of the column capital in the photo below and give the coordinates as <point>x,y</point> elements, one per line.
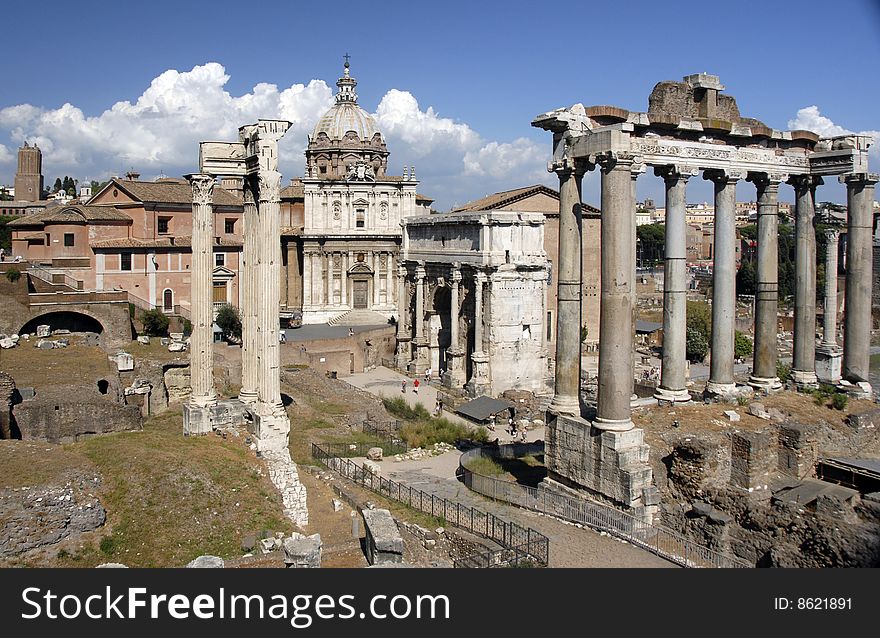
<point>567,165</point>
<point>618,160</point>
<point>401,270</point>
<point>859,179</point>
<point>270,186</point>
<point>832,234</point>
<point>421,273</point>
<point>676,172</point>
<point>724,176</point>
<point>767,180</point>
<point>480,277</point>
<point>803,183</point>
<point>202,188</point>
<point>455,274</point>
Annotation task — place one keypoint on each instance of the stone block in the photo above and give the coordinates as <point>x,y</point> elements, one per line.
<point>374,454</point>
<point>758,410</point>
<point>144,339</point>
<point>373,467</point>
<point>196,420</point>
<point>864,420</point>
<point>111,566</point>
<point>732,416</point>
<point>302,551</point>
<point>43,331</point>
<point>337,505</point>
<point>249,543</point>
<point>206,562</point>
<point>176,346</point>
<point>124,361</point>
<point>384,542</point>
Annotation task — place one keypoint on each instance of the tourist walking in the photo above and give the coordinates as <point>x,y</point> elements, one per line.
<point>2,254</point>
<point>403,386</point>
<point>428,375</point>
<point>416,386</point>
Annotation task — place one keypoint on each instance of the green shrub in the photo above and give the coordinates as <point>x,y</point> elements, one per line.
<point>697,346</point>
<point>742,345</point>
<point>402,410</point>
<point>13,275</point>
<point>839,401</point>
<point>485,466</point>
<point>187,327</point>
<point>783,371</point>
<point>108,545</point>
<point>155,323</point>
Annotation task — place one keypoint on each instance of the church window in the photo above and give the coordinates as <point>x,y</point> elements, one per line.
<point>230,227</point>
<point>68,239</point>
<point>359,219</point>
<point>220,259</point>
<point>125,261</point>
<point>163,225</point>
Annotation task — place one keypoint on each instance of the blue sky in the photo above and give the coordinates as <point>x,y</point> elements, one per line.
<point>454,84</point>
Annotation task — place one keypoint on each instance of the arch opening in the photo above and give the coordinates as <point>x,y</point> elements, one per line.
<point>66,320</point>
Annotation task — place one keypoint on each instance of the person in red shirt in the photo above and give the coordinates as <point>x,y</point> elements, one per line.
<point>416,386</point>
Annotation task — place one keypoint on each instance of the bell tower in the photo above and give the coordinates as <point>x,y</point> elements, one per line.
<point>29,177</point>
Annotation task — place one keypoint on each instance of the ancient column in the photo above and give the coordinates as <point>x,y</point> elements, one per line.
<point>566,395</point>
<point>613,411</point>
<point>803,368</point>
<point>723,282</point>
<point>859,264</point>
<point>829,335</point>
<point>767,283</point>
<point>404,338</point>
<point>389,284</point>
<point>197,420</point>
<point>453,308</point>
<point>269,383</point>
<point>375,280</point>
<point>454,376</point>
<point>480,281</point>
<point>673,376</point>
<point>248,393</point>
<point>343,278</point>
<point>419,320</point>
<point>480,382</point>
<point>828,354</point>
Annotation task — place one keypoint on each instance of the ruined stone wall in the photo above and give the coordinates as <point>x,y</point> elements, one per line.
<point>66,414</point>
<point>7,392</point>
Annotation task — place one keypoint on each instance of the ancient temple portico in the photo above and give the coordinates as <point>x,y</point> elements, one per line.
<point>690,127</point>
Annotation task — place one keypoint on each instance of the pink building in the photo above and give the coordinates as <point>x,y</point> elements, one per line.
<point>134,236</point>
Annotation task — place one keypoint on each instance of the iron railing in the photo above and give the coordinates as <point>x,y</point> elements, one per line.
<point>654,538</point>
<point>520,545</point>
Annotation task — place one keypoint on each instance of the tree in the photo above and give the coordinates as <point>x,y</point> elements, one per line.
<point>696,346</point>
<point>155,322</point>
<point>229,321</point>
<point>58,186</point>
<point>699,318</point>
<point>742,345</point>
<point>13,275</point>
<point>652,238</point>
<point>745,279</point>
<point>4,195</point>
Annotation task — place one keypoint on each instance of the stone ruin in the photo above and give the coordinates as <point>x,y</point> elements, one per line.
<point>690,128</point>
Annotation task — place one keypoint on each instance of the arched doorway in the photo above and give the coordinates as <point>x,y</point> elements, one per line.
<point>168,300</point>
<point>440,323</point>
<point>73,321</point>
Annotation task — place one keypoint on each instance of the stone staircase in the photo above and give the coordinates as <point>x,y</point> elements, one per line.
<point>359,318</point>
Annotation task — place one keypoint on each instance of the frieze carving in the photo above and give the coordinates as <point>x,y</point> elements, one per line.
<point>361,172</point>
<point>203,189</point>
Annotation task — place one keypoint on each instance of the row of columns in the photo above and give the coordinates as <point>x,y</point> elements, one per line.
<point>454,375</point>
<point>617,303</point>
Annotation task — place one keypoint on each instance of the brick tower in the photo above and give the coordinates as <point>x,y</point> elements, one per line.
<point>29,178</point>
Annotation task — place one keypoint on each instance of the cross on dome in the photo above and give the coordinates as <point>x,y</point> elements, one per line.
<point>346,85</point>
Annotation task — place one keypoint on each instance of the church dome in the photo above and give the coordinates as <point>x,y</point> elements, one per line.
<point>346,115</point>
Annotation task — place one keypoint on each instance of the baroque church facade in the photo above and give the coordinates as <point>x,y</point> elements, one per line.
<point>343,252</point>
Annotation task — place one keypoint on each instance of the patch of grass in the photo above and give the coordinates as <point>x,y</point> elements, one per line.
<point>326,407</point>
<point>532,460</point>
<point>839,401</point>
<point>170,498</point>
<point>485,466</point>
<point>742,401</point>
<point>429,431</point>
<point>401,409</point>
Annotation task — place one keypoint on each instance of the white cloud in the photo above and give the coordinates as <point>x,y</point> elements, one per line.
<point>811,119</point>
<point>160,131</point>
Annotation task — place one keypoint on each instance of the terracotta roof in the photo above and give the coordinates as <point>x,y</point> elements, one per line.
<point>293,190</point>
<point>70,215</point>
<point>504,198</point>
<point>180,241</point>
<point>423,198</point>
<point>171,192</point>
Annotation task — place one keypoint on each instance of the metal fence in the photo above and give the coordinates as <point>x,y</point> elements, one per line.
<point>382,428</point>
<point>521,545</point>
<point>656,539</point>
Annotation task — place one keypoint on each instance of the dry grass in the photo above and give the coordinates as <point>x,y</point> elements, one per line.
<point>33,367</point>
<point>168,498</point>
